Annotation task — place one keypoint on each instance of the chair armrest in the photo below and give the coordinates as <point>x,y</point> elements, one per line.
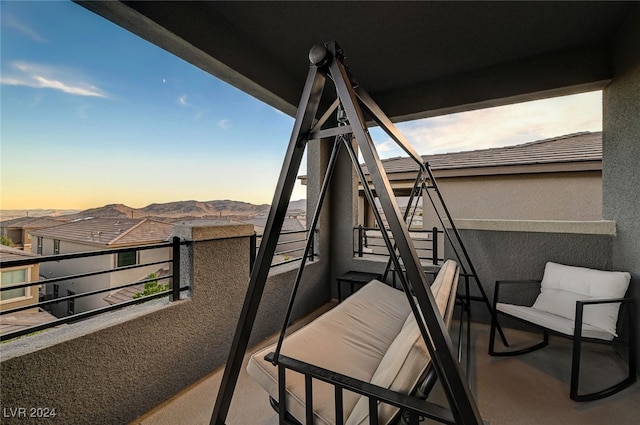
<point>594,301</point>
<point>581,303</point>
<point>499,283</point>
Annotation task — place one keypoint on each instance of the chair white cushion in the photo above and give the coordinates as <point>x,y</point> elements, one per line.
<point>552,321</point>
<point>563,285</point>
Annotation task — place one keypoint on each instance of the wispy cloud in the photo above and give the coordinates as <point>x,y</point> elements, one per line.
<point>10,21</point>
<point>224,123</point>
<point>49,77</point>
<point>501,126</point>
<point>182,100</point>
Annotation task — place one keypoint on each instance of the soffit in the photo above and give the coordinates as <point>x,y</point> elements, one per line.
<point>415,58</point>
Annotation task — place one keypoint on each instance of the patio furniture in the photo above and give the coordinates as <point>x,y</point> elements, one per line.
<point>582,304</point>
<point>354,278</point>
<point>350,107</point>
<point>370,338</point>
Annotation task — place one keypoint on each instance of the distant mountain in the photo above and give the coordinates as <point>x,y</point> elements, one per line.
<point>10,214</point>
<point>202,209</point>
<point>109,211</point>
<point>193,209</point>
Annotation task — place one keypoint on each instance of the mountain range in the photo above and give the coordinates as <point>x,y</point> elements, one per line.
<point>169,210</point>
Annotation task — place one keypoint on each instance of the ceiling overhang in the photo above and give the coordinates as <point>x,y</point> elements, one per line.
<point>416,59</point>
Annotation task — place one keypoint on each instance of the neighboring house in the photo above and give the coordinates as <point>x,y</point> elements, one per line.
<point>94,234</point>
<point>552,179</point>
<point>19,297</point>
<point>12,276</point>
<point>291,243</point>
<point>19,229</point>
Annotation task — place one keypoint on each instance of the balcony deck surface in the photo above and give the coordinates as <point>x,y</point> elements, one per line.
<point>532,389</point>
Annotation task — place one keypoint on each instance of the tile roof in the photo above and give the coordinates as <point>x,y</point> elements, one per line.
<point>8,253</point>
<point>24,319</point>
<point>577,147</point>
<point>111,232</point>
<point>127,294</point>
<point>31,222</point>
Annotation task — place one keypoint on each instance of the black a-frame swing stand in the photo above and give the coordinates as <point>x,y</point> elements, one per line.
<point>352,102</point>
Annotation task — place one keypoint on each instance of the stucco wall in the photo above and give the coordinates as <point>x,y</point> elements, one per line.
<point>621,151</point>
<point>545,196</point>
<point>113,368</point>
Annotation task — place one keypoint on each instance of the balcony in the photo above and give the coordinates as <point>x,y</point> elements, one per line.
<point>528,390</point>
<point>160,362</point>
<point>116,367</point>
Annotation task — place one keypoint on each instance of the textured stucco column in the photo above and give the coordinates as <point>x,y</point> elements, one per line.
<point>318,153</point>
<point>344,216</point>
<point>621,152</point>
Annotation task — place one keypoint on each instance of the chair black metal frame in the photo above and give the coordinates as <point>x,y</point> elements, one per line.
<point>627,309</point>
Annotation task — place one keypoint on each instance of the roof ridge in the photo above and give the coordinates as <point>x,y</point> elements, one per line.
<point>131,229</point>
<point>520,145</point>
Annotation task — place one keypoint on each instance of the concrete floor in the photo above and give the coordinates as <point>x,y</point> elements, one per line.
<point>532,389</point>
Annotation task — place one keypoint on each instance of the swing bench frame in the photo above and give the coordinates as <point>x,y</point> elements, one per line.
<point>327,62</point>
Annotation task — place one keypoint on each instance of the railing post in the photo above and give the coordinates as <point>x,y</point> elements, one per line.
<point>360,239</point>
<point>434,246</point>
<point>312,250</point>
<point>253,241</point>
<point>175,280</point>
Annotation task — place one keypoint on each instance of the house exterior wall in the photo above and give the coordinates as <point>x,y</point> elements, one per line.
<point>53,269</point>
<point>127,276</point>
<point>621,151</point>
<point>14,234</point>
<point>32,293</point>
<point>26,239</point>
<point>573,196</point>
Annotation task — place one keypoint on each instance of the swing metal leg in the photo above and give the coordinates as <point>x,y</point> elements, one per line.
<point>307,109</point>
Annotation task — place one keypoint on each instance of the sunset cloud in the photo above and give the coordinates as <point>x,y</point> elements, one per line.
<point>501,126</point>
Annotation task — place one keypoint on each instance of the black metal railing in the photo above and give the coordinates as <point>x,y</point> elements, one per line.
<point>368,241</point>
<point>414,409</point>
<point>290,247</point>
<point>172,280</point>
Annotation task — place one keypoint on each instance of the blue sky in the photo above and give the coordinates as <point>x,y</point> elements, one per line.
<point>92,114</point>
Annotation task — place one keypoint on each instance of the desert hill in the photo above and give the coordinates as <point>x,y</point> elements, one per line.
<point>179,209</point>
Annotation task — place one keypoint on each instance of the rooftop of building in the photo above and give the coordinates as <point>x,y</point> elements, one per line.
<point>110,232</point>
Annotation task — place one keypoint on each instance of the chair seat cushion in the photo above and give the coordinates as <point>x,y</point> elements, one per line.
<point>552,321</point>
<point>563,285</point>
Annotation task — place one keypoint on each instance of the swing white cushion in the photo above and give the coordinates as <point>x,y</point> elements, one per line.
<point>371,336</point>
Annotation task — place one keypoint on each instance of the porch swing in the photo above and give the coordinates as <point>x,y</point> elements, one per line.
<point>381,349</point>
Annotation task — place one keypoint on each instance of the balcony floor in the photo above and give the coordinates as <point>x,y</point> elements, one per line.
<point>531,389</point>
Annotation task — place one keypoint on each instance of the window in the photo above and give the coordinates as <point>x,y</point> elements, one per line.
<point>56,290</point>
<point>56,246</point>
<point>71,304</point>
<point>39,245</point>
<point>13,278</point>
<point>128,258</point>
